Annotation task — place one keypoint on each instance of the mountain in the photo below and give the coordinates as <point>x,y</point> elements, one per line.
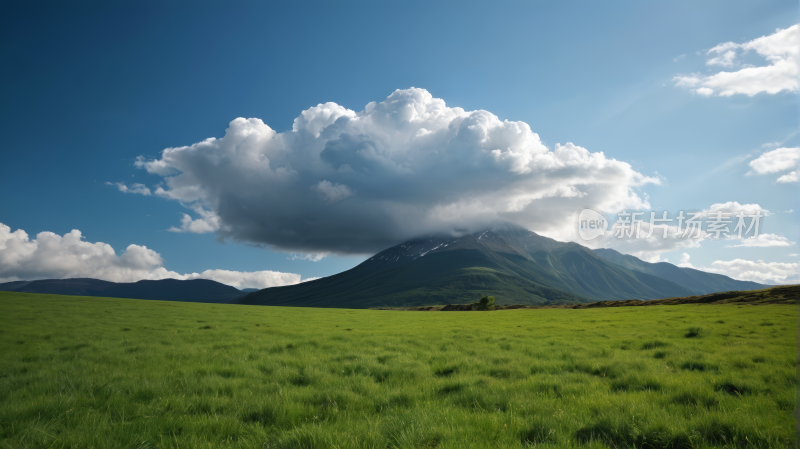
<point>699,282</point>
<point>508,262</point>
<point>195,290</point>
<point>10,286</point>
<point>249,290</point>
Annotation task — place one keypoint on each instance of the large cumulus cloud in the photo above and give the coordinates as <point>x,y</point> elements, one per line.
<point>51,256</point>
<point>357,182</point>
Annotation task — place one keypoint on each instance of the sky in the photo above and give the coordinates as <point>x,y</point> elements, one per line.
<point>262,144</point>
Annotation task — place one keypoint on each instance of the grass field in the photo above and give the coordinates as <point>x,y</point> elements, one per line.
<point>97,372</point>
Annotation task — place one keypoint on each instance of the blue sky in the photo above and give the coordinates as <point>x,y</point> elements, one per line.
<point>86,90</point>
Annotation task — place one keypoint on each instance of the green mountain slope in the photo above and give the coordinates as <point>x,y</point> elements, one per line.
<point>699,282</point>
<point>513,264</point>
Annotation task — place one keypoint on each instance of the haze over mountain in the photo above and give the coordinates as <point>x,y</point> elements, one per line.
<point>700,282</point>
<point>194,290</point>
<point>509,262</point>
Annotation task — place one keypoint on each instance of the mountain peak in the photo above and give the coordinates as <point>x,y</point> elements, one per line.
<point>505,260</point>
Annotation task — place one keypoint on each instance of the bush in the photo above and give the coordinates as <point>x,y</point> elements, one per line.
<point>486,303</point>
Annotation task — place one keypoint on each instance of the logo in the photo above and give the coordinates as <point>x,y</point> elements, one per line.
<point>590,223</point>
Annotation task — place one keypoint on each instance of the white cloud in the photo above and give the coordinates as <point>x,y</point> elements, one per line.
<point>726,54</point>
<point>650,248</point>
<point>313,257</point>
<point>789,177</point>
<point>775,161</point>
<point>705,91</point>
<point>248,279</point>
<point>357,182</point>
<point>762,241</point>
<point>208,223</point>
<point>792,255</point>
<point>757,271</point>
<point>734,207</point>
<point>50,256</point>
<point>685,261</point>
<point>781,49</point>
<point>135,188</point>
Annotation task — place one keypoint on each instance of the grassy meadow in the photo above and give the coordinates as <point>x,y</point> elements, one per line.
<point>79,372</point>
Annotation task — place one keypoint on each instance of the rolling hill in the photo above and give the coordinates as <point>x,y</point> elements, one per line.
<point>194,290</point>
<point>511,263</point>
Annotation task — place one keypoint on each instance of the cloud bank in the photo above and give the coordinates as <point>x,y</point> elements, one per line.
<point>762,241</point>
<point>344,181</point>
<point>50,256</point>
<point>749,270</point>
<point>650,249</point>
<point>781,49</point>
<point>651,246</point>
<point>757,271</point>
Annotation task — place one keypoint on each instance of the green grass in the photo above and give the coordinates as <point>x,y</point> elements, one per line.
<point>99,372</point>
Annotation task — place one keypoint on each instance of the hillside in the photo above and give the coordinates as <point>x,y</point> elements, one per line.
<point>513,264</point>
<point>194,290</point>
<point>785,294</point>
<point>699,282</point>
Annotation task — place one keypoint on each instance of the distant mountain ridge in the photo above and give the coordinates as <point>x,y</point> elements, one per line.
<point>699,282</point>
<point>509,262</point>
<point>513,264</point>
<point>194,290</point>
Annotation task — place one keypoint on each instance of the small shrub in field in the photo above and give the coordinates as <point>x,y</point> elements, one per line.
<point>486,303</point>
<point>693,332</point>
<point>659,354</point>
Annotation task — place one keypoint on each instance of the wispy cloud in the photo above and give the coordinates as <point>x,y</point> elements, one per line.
<point>762,241</point>
<point>140,189</point>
